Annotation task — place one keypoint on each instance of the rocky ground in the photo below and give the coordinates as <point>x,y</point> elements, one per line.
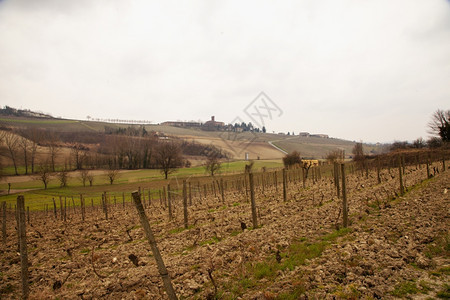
<point>395,246</point>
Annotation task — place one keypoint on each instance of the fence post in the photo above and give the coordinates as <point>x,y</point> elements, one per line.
<point>221,190</point>
<point>252,199</point>
<point>336,180</point>
<point>23,245</point>
<point>4,222</point>
<point>61,208</point>
<point>54,209</point>
<point>190,194</point>
<point>105,205</point>
<point>185,210</point>
<point>284,185</point>
<point>276,180</point>
<point>344,198</point>
<point>169,201</point>
<point>400,173</point>
<point>151,239</point>
<point>82,204</point>
<point>378,170</point>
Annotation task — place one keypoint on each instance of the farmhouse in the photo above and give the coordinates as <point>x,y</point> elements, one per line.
<point>182,124</point>
<point>213,124</point>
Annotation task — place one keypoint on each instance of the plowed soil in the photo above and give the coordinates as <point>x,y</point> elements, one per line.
<point>395,245</point>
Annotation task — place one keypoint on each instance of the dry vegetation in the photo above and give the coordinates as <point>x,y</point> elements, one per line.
<point>395,246</point>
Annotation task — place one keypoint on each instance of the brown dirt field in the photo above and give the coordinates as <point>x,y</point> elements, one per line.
<point>397,246</point>
<point>237,149</point>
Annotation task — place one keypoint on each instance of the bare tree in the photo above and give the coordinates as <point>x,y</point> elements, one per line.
<point>84,175</point>
<point>292,159</point>
<point>63,177</point>
<point>213,163</point>
<point>439,124</point>
<point>337,155</point>
<point>25,145</point>
<point>419,143</point>
<point>54,149</point>
<point>43,174</point>
<point>78,153</point>
<point>358,155</point>
<point>112,175</point>
<point>90,178</point>
<point>12,143</point>
<point>34,136</point>
<point>168,157</point>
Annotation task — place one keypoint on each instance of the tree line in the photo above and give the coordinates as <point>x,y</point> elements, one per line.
<point>35,149</point>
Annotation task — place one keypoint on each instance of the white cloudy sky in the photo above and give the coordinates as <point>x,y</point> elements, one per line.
<point>360,70</point>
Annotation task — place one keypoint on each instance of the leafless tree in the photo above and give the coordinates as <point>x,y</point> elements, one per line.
<point>84,175</point>
<point>168,157</point>
<point>337,155</point>
<point>419,143</point>
<point>25,146</point>
<point>439,124</point>
<point>78,153</point>
<point>90,178</point>
<point>63,177</point>
<point>43,174</point>
<point>53,147</point>
<point>213,163</point>
<point>12,144</point>
<point>358,155</point>
<point>292,159</point>
<point>112,175</point>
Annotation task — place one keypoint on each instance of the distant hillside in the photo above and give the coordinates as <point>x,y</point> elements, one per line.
<point>10,111</point>
<point>256,144</point>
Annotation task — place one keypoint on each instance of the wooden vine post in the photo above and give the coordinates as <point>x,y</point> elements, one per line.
<point>400,173</point>
<point>190,194</point>
<point>336,180</point>
<point>83,207</point>
<point>61,208</point>
<point>23,245</point>
<point>378,170</point>
<point>156,254</point>
<point>4,222</point>
<point>221,190</point>
<point>105,204</point>
<point>284,185</point>
<point>169,201</point>
<point>185,204</point>
<point>252,199</point>
<point>344,198</point>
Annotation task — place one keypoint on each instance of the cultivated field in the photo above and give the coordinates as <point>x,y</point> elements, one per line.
<point>236,144</point>
<point>396,244</point>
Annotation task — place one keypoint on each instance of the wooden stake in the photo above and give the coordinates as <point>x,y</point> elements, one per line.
<point>221,190</point>
<point>344,198</point>
<point>4,222</point>
<point>23,246</point>
<point>169,200</point>
<point>252,199</point>
<point>400,173</point>
<point>185,210</point>
<point>156,254</point>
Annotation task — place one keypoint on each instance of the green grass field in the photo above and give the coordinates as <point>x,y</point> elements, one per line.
<point>127,181</point>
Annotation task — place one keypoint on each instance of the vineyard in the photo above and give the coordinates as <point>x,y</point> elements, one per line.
<point>370,230</point>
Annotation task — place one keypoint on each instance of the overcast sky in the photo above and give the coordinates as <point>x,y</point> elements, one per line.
<point>361,70</point>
